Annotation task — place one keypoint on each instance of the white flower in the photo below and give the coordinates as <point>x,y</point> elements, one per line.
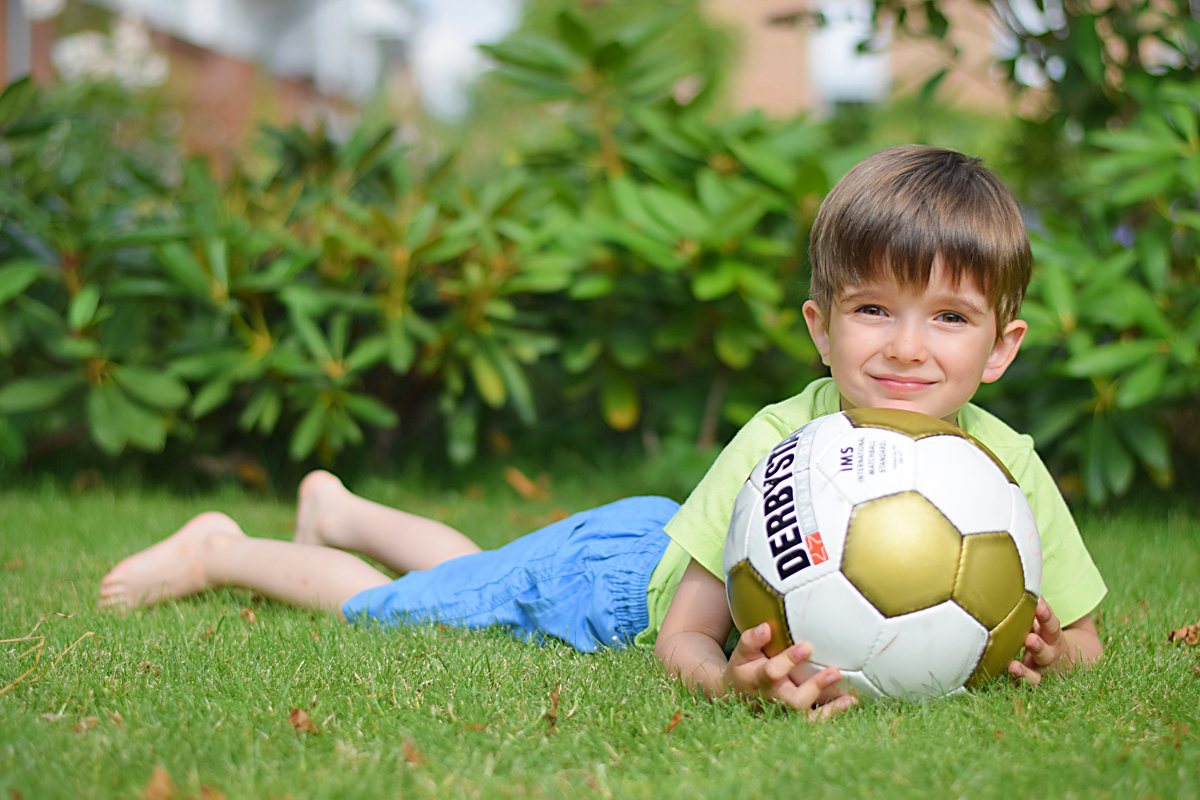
<point>38,10</point>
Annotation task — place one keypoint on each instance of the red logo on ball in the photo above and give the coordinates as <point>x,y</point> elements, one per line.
<point>816,548</point>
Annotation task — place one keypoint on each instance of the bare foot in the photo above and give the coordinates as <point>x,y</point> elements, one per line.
<point>319,493</point>
<point>172,568</point>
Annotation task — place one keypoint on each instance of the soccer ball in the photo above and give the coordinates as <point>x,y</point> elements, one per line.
<point>895,544</point>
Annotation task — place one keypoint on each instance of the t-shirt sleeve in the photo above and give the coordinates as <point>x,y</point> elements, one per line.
<point>1071,582</point>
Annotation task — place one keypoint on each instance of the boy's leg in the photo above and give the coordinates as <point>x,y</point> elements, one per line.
<point>329,514</point>
<point>212,551</point>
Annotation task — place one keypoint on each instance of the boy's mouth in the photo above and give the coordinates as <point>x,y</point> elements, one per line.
<point>902,383</point>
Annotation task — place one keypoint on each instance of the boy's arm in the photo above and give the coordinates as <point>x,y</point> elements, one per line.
<point>1051,647</point>
<point>690,642</point>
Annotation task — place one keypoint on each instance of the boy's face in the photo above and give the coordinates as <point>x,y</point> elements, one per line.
<point>921,350</point>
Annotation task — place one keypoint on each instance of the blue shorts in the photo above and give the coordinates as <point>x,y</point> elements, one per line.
<point>582,579</point>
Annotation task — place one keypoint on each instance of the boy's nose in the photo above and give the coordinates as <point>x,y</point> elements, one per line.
<point>906,344</point>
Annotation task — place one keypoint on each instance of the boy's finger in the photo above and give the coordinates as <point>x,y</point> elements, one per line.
<point>804,695</point>
<point>750,644</point>
<point>1024,674</point>
<point>834,707</point>
<point>779,666</point>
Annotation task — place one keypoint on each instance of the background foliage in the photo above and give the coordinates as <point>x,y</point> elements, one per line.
<point>628,267</point>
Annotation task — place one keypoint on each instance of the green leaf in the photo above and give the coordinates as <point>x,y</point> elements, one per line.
<point>1115,460</point>
<point>679,214</point>
<point>630,201</point>
<point>262,412</point>
<point>579,355</point>
<point>519,392</point>
<point>82,308</point>
<point>758,282</point>
<point>462,425</point>
<point>735,346</point>
<point>1110,358</point>
<point>371,410</point>
<point>619,401</point>
<point>218,260</point>
<point>155,388</point>
<point>1151,446</point>
<point>1142,385</point>
<point>179,262</point>
<point>537,54</point>
<point>37,394</point>
<point>18,275</point>
<point>401,348</point>
<point>210,397</point>
<point>768,164</point>
<point>308,431</point>
<point>591,286</point>
<point>488,380</point>
<point>109,418</point>
<point>574,34</point>
<point>714,281</point>
<point>310,335</point>
<point>367,353</point>
<point>17,99</point>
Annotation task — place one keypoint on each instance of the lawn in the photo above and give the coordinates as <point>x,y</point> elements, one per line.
<point>228,696</point>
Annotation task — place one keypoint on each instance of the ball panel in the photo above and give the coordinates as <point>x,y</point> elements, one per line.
<point>752,601</point>
<point>909,423</point>
<point>963,482</point>
<point>927,653</point>
<point>741,523</point>
<point>832,512</point>
<point>901,553</point>
<point>990,580</point>
<point>855,682</point>
<point>835,619</point>
<point>867,463</point>
<point>1029,543</point>
<point>1005,642</point>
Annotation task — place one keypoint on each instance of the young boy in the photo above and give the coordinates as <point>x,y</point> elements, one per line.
<point>920,262</point>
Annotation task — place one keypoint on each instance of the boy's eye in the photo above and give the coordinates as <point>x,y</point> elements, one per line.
<point>870,309</point>
<point>952,317</point>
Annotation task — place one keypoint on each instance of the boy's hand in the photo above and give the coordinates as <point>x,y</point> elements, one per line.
<point>751,672</point>
<point>1049,647</point>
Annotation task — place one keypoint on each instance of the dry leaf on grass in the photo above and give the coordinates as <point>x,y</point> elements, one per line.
<point>1188,634</point>
<point>679,715</point>
<point>300,720</point>
<point>525,487</point>
<point>160,786</point>
<point>551,716</point>
<point>411,754</point>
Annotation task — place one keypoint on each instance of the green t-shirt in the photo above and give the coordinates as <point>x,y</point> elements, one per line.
<point>1071,583</point>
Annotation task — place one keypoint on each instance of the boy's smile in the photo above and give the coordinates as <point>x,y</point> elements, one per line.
<point>927,350</point>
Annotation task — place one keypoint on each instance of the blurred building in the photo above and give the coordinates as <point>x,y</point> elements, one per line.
<point>231,64</point>
<point>228,64</point>
<point>804,55</point>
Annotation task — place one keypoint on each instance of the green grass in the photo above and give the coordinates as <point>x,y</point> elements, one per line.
<point>204,687</point>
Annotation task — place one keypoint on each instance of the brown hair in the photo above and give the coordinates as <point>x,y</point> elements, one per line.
<point>901,207</point>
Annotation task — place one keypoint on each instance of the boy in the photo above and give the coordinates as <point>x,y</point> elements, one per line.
<point>920,262</point>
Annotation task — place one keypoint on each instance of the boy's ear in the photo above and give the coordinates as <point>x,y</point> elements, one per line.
<point>1005,350</point>
<point>817,329</point>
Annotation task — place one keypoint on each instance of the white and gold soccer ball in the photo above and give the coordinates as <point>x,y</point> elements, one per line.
<point>894,543</point>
